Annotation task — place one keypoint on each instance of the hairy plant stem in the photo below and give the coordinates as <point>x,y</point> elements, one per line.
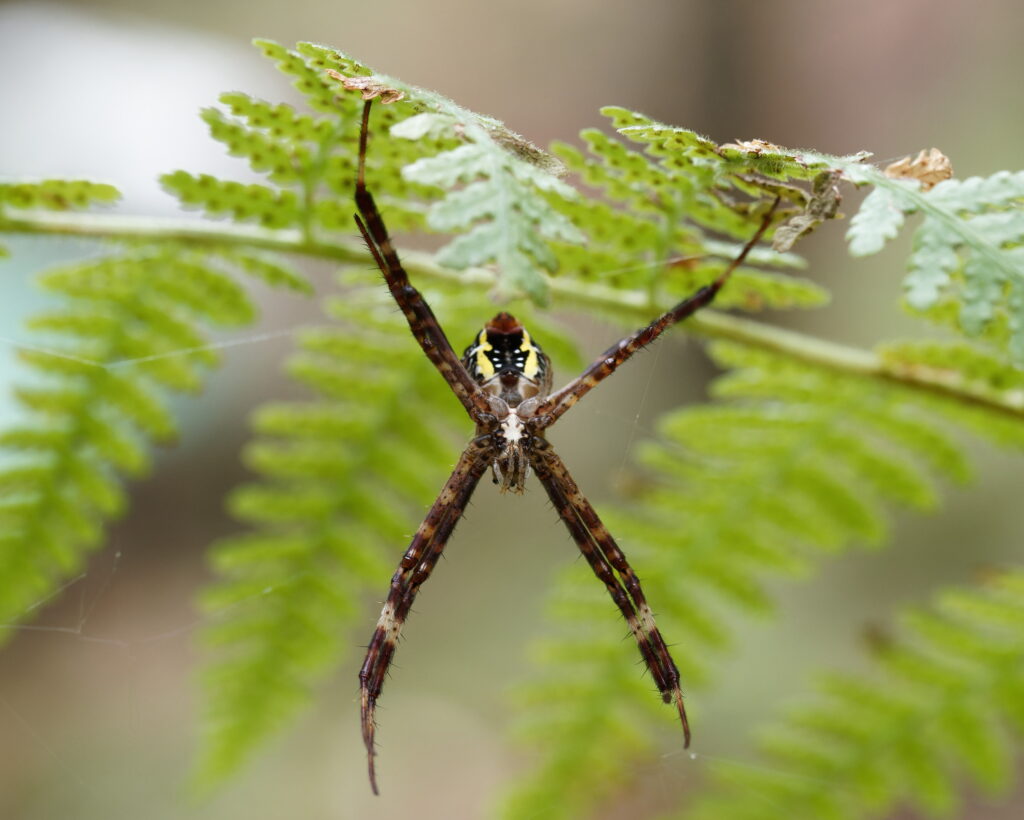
<point>565,293</point>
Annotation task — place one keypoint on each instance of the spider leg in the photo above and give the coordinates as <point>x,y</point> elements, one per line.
<point>607,363</point>
<point>422,322</point>
<point>416,565</point>
<point>609,564</point>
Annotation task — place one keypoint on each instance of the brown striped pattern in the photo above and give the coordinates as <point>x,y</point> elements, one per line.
<point>609,564</point>
<point>616,355</point>
<point>422,322</point>
<point>416,565</point>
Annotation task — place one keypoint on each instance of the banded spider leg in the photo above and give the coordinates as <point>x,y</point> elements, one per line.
<point>503,382</point>
<point>418,562</point>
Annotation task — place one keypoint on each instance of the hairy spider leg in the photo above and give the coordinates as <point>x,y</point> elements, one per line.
<point>609,361</point>
<point>415,567</point>
<point>422,322</point>
<point>606,559</point>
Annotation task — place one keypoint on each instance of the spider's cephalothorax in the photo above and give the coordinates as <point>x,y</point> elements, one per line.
<point>504,383</point>
<point>515,374</point>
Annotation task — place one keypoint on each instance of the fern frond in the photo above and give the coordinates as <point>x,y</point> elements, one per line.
<point>650,229</point>
<point>498,202</point>
<point>308,159</point>
<point>343,479</point>
<point>790,464</point>
<point>967,247</point>
<point>939,710</point>
<point>493,179</point>
<point>131,330</point>
<point>976,369</point>
<point>490,178</point>
<point>53,195</point>
<point>56,194</point>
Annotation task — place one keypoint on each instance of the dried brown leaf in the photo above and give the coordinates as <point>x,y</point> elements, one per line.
<point>370,87</point>
<point>929,168</point>
<point>822,206</point>
<point>755,146</point>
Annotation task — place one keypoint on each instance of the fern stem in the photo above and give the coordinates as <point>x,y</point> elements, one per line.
<point>566,292</point>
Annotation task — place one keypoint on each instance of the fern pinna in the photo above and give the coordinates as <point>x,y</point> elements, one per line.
<point>944,705</point>
<point>129,330</point>
<point>812,442</point>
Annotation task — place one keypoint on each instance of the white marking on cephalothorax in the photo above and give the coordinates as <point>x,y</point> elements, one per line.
<point>512,430</point>
<point>512,463</point>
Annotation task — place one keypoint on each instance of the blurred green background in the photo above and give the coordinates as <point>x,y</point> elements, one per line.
<point>97,697</point>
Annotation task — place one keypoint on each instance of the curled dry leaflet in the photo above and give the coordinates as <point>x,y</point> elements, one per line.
<point>929,167</point>
<point>370,87</point>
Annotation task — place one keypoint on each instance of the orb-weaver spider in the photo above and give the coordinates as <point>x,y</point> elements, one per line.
<point>504,382</point>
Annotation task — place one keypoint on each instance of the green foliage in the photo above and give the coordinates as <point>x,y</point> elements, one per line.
<point>308,159</point>
<point>968,245</point>
<point>489,178</point>
<point>54,195</point>
<point>243,203</point>
<point>973,368</point>
<point>129,331</point>
<point>508,222</point>
<point>941,705</point>
<point>496,176</point>
<point>650,228</point>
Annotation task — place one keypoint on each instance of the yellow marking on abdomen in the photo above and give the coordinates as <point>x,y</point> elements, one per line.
<point>532,360</point>
<point>483,364</point>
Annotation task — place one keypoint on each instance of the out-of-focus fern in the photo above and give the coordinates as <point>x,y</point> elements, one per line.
<point>941,708</point>
<point>791,464</point>
<point>56,194</point>
<point>343,480</point>
<point>53,195</point>
<point>130,330</point>
<point>969,245</point>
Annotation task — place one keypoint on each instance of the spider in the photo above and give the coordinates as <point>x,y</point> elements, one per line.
<point>504,380</point>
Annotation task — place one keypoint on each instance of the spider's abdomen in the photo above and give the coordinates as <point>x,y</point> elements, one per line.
<point>506,361</point>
